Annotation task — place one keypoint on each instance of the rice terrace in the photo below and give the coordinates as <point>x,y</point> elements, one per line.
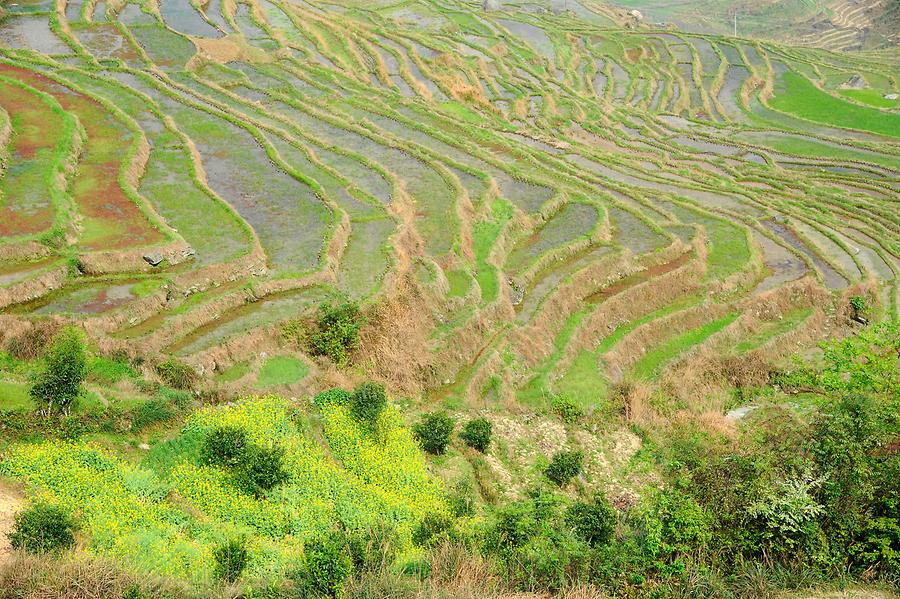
<point>449,298</point>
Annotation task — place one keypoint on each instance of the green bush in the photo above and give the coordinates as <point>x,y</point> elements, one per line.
<point>231,559</point>
<point>593,521</point>
<point>256,469</point>
<point>224,446</point>
<point>433,432</point>
<point>477,434</point>
<point>674,524</point>
<point>43,528</point>
<point>326,568</point>
<point>367,403</point>
<point>567,409</point>
<point>564,466</point>
<point>338,332</point>
<point>261,468</point>
<point>152,411</point>
<point>331,396</point>
<point>177,374</point>
<point>59,384</point>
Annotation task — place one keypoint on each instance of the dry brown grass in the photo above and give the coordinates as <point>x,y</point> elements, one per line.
<point>76,577</point>
<point>394,344</point>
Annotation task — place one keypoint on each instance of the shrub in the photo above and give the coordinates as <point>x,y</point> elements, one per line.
<point>261,468</point>
<point>331,396</point>
<point>477,434</point>
<point>564,466</point>
<point>593,521</point>
<point>433,432</point>
<point>566,409</point>
<point>433,529</point>
<point>152,411</point>
<point>224,446</point>
<point>367,402</point>
<point>32,343</point>
<point>43,528</point>
<point>231,559</point>
<point>60,381</point>
<point>327,567</point>
<point>177,374</point>
<point>860,306</point>
<point>338,332</point>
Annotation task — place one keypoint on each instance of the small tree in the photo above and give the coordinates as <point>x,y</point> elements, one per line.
<point>59,384</point>
<point>224,446</point>
<point>593,521</point>
<point>261,468</point>
<point>231,559</point>
<point>564,466</point>
<point>367,402</point>
<point>338,332</point>
<point>43,528</point>
<point>477,434</point>
<point>434,431</point>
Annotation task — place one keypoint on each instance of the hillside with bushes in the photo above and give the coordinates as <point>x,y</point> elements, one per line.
<point>444,298</point>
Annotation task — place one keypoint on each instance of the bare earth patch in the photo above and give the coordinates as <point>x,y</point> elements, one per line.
<point>10,503</point>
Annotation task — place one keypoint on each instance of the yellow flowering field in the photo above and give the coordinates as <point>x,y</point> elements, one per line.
<point>168,515</point>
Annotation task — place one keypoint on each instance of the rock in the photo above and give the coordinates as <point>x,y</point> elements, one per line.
<point>154,259</point>
<point>144,446</point>
<point>492,5</point>
<point>855,81</point>
<point>636,14</point>
<point>892,97</point>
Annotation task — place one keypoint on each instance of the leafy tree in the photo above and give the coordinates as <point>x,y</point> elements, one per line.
<point>59,384</point>
<point>231,559</point>
<point>43,528</point>
<point>594,521</point>
<point>338,332</point>
<point>367,402</point>
<point>564,466</point>
<point>477,434</point>
<point>433,432</point>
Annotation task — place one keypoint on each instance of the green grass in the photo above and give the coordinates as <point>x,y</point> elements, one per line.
<point>281,370</point>
<point>460,282</point>
<point>234,372</point>
<point>773,330</point>
<point>729,248</point>
<point>14,397</point>
<point>651,363</point>
<point>801,98</point>
<point>872,97</point>
<point>809,148</point>
<point>535,392</point>
<point>109,371</point>
<point>484,234</point>
<point>584,382</point>
<point>608,342</point>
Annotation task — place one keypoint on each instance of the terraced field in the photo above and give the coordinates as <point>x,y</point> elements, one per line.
<point>536,202</point>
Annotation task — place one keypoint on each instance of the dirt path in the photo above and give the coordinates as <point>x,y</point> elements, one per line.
<point>11,502</point>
